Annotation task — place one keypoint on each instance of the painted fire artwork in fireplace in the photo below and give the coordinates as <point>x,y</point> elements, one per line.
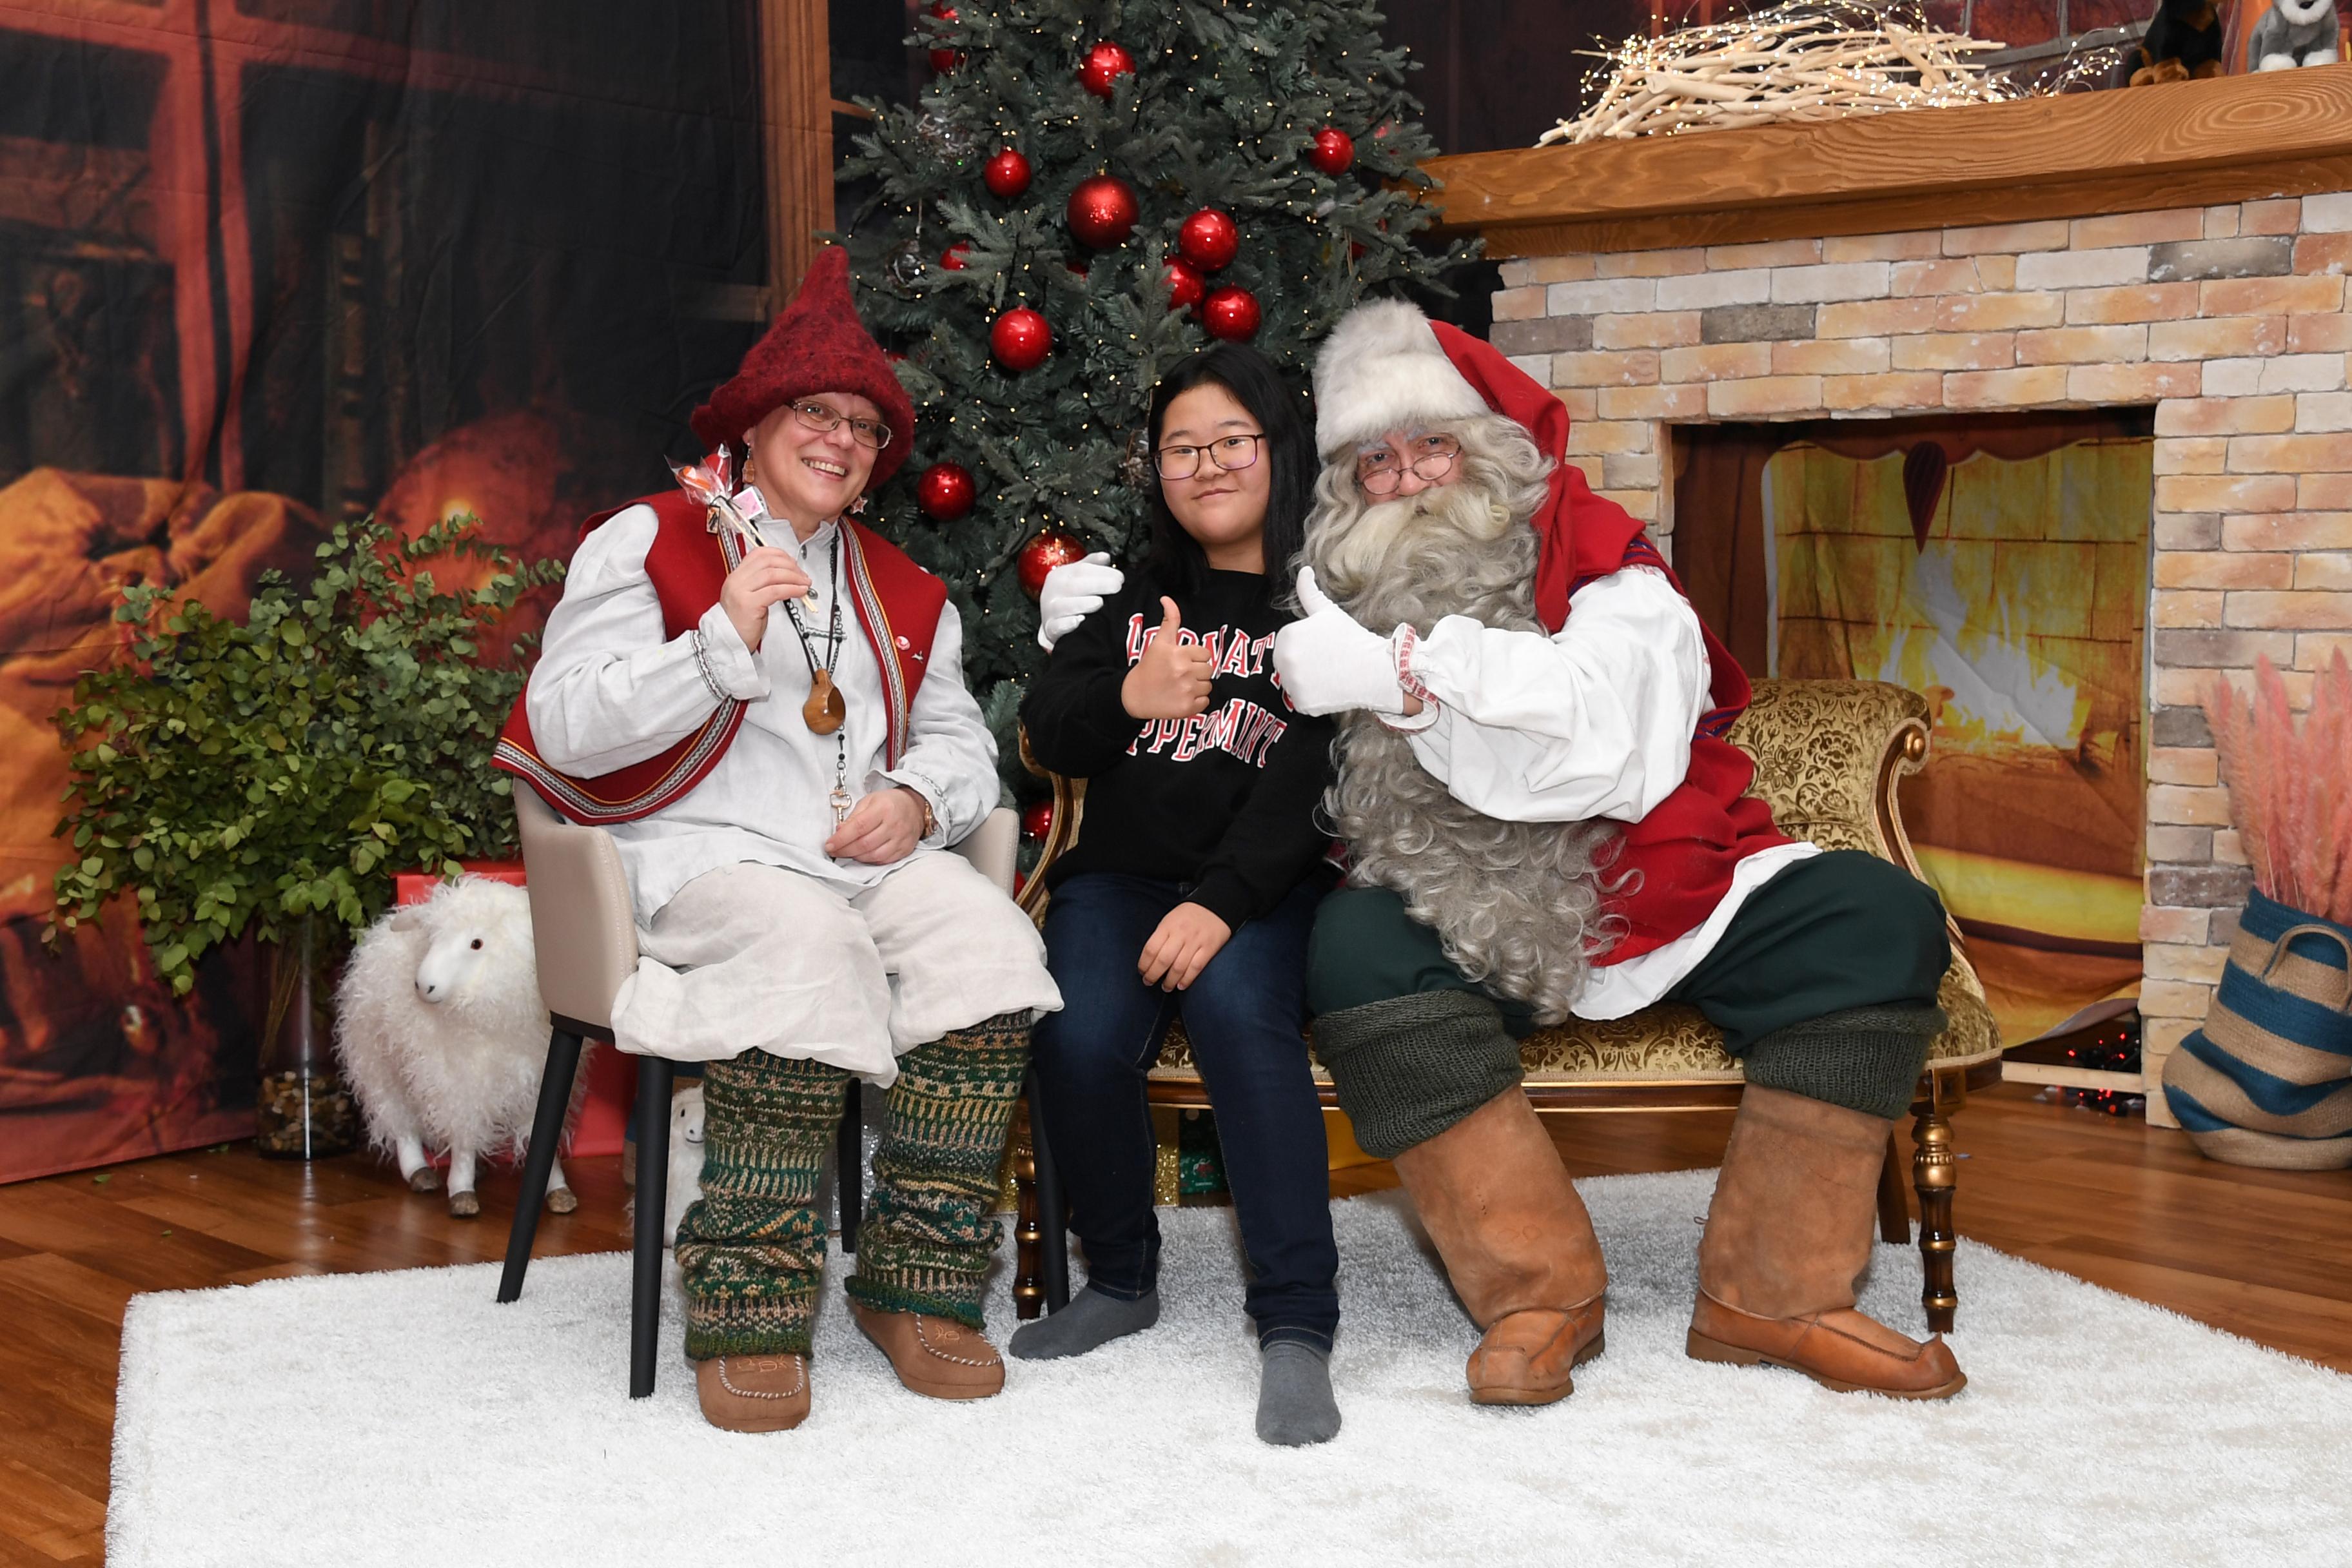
<point>2002,568</point>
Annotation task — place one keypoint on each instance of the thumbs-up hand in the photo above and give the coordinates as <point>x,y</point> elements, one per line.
<point>1329,663</point>
<point>1172,680</point>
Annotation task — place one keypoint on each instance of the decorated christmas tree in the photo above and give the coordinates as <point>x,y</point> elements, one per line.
<point>1085,194</point>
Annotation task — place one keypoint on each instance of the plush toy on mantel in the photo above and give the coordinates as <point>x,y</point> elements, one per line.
<point>2294,33</point>
<point>2184,40</point>
<point>442,1032</point>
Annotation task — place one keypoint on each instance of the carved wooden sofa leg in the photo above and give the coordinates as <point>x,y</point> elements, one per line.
<point>1028,1233</point>
<point>1934,1172</point>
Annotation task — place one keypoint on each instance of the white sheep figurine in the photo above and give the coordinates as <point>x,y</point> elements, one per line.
<point>444,1037</point>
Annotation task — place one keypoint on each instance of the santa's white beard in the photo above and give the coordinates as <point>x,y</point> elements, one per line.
<point>1516,905</point>
<point>1374,550</point>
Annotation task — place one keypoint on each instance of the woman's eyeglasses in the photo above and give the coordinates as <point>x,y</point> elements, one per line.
<point>1227,452</point>
<point>1379,473</point>
<point>820,416</point>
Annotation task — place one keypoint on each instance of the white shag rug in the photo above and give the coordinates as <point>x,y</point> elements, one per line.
<point>405,1418</point>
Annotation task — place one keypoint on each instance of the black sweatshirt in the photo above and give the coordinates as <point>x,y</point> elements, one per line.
<point>1226,799</point>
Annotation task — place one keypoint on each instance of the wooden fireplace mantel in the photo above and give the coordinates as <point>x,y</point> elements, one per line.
<point>2229,139</point>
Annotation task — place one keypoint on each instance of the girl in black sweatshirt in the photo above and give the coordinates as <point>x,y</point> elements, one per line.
<point>1193,889</point>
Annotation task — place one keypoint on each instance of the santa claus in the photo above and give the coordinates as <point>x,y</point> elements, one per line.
<point>1544,818</point>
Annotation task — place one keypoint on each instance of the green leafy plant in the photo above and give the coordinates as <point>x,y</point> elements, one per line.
<point>268,773</point>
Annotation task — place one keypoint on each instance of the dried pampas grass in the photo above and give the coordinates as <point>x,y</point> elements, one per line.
<point>2290,788</point>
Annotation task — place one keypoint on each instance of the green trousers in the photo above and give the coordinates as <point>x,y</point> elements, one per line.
<point>751,1249</point>
<point>1824,984</point>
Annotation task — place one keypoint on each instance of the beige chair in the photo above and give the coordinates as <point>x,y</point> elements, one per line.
<point>1829,755</point>
<point>586,936</point>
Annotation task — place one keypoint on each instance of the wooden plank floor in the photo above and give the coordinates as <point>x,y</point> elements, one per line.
<point>2262,1254</point>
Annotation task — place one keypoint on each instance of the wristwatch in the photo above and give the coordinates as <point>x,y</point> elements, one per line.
<point>930,817</point>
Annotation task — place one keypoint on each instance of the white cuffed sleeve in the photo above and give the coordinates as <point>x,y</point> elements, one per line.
<point>611,687</point>
<point>950,757</point>
<point>1594,720</point>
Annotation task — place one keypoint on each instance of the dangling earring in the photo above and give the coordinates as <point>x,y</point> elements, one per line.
<point>747,470</point>
<point>858,507</point>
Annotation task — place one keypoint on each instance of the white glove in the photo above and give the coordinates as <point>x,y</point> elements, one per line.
<point>1073,591</point>
<point>1328,663</point>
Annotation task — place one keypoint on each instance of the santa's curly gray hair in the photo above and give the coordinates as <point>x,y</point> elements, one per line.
<point>1516,905</point>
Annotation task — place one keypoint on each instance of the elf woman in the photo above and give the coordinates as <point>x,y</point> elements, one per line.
<point>1192,890</point>
<point>780,739</point>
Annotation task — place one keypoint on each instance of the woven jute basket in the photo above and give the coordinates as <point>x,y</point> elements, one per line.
<point>2268,1081</point>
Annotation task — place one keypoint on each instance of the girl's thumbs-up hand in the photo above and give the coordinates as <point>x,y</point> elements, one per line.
<point>1172,680</point>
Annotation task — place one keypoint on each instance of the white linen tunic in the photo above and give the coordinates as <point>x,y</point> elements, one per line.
<point>1594,720</point>
<point>612,688</point>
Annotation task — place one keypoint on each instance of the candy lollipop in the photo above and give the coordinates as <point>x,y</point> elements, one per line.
<point>711,483</point>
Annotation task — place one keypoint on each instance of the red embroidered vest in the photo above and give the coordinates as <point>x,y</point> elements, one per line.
<point>1681,855</point>
<point>898,606</point>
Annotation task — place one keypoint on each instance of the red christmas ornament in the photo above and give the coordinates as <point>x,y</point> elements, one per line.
<point>1021,339</point>
<point>1334,150</point>
<point>945,60</point>
<point>1007,175</point>
<point>1037,819</point>
<point>957,257</point>
<point>945,491</point>
<point>1051,548</point>
<point>1103,210</point>
<point>1231,313</point>
<point>1209,239</point>
<point>1185,284</point>
<point>1105,63</point>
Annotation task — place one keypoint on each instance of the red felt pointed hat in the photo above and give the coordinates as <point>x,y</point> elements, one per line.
<point>816,344</point>
<point>1387,368</point>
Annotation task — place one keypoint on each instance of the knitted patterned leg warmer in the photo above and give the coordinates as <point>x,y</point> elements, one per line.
<point>752,1247</point>
<point>928,1230</point>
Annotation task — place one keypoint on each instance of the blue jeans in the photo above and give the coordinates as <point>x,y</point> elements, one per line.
<point>1242,1014</point>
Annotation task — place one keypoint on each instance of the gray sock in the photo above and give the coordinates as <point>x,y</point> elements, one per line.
<point>1295,1406</point>
<point>1091,1319</point>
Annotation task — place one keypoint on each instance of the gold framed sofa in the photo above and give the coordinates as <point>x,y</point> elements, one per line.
<point>1828,757</point>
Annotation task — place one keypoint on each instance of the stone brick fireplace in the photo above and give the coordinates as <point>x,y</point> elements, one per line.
<point>1975,259</point>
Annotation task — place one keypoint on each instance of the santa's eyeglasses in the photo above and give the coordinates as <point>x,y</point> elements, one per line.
<point>825,419</point>
<point>1379,472</point>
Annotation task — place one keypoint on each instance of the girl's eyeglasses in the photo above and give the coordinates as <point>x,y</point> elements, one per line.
<point>1227,452</point>
<point>864,432</point>
<point>1379,473</point>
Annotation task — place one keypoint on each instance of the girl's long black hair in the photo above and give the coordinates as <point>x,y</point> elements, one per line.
<point>1175,560</point>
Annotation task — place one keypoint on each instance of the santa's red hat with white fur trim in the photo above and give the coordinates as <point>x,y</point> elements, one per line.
<point>1386,367</point>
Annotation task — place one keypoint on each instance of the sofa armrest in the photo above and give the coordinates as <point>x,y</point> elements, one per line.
<point>1069,807</point>
<point>1831,756</point>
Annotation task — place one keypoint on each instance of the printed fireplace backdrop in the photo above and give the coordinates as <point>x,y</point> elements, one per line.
<point>2000,566</point>
<point>268,262</point>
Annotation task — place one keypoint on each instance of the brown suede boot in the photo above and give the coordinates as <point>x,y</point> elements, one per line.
<point>1786,1236</point>
<point>1518,1246</point>
<point>938,1357</point>
<point>753,1392</point>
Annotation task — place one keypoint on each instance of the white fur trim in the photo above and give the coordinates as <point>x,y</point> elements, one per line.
<point>1382,370</point>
